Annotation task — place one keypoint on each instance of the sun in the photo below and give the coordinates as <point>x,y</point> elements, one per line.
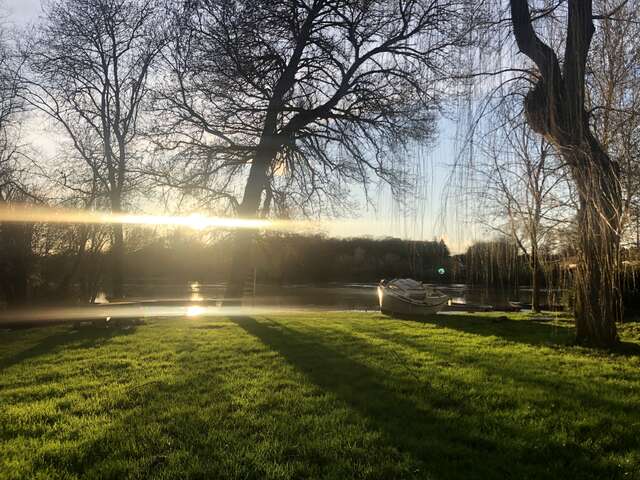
<point>194,311</point>
<point>197,221</point>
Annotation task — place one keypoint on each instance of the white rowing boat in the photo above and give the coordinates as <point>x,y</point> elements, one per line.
<point>405,296</point>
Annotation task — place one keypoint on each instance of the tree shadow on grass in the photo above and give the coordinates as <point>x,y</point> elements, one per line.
<point>83,337</point>
<point>523,367</point>
<point>181,425</point>
<point>447,440</point>
<point>530,331</point>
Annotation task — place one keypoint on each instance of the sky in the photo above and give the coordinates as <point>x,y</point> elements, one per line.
<point>428,218</point>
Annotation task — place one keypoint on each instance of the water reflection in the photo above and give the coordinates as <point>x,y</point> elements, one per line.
<point>357,296</point>
<point>195,292</point>
<point>193,299</point>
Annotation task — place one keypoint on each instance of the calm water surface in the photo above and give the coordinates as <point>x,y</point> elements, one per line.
<point>192,299</point>
<point>356,296</point>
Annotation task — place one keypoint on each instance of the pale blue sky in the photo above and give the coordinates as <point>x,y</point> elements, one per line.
<point>428,220</point>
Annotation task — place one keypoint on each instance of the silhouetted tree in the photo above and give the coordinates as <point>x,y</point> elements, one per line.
<point>521,188</point>
<point>306,96</point>
<point>15,238</point>
<point>494,263</point>
<point>89,67</point>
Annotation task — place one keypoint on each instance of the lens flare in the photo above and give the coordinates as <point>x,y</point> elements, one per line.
<point>103,314</point>
<point>30,214</point>
<point>25,213</point>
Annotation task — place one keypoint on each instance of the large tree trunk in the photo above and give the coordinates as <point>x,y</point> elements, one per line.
<point>555,108</point>
<point>598,304</point>
<point>242,252</point>
<point>270,143</point>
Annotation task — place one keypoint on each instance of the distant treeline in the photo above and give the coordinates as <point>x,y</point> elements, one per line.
<point>498,263</point>
<point>48,274</point>
<point>279,259</point>
<point>297,259</point>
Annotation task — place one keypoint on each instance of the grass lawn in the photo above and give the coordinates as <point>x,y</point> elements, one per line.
<point>318,395</point>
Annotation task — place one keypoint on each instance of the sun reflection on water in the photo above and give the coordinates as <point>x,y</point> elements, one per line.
<point>195,292</point>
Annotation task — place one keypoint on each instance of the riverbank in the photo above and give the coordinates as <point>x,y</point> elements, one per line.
<point>319,395</point>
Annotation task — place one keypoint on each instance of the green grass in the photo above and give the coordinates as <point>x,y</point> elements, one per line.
<point>318,395</point>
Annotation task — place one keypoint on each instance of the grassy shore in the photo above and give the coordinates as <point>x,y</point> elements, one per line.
<point>318,395</point>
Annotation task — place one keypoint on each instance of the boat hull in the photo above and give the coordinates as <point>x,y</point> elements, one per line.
<point>393,304</point>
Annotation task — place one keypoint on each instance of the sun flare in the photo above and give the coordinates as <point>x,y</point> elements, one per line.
<point>196,221</point>
<point>194,311</point>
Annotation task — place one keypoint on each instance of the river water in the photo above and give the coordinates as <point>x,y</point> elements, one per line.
<point>191,299</point>
<point>350,296</point>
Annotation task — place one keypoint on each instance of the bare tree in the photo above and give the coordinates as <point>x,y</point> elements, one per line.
<point>301,97</point>
<point>15,238</point>
<point>89,65</point>
<point>521,188</point>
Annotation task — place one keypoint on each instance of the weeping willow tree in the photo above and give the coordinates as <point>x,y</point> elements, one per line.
<point>555,108</point>
<point>494,263</point>
<point>614,99</point>
<point>520,189</point>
